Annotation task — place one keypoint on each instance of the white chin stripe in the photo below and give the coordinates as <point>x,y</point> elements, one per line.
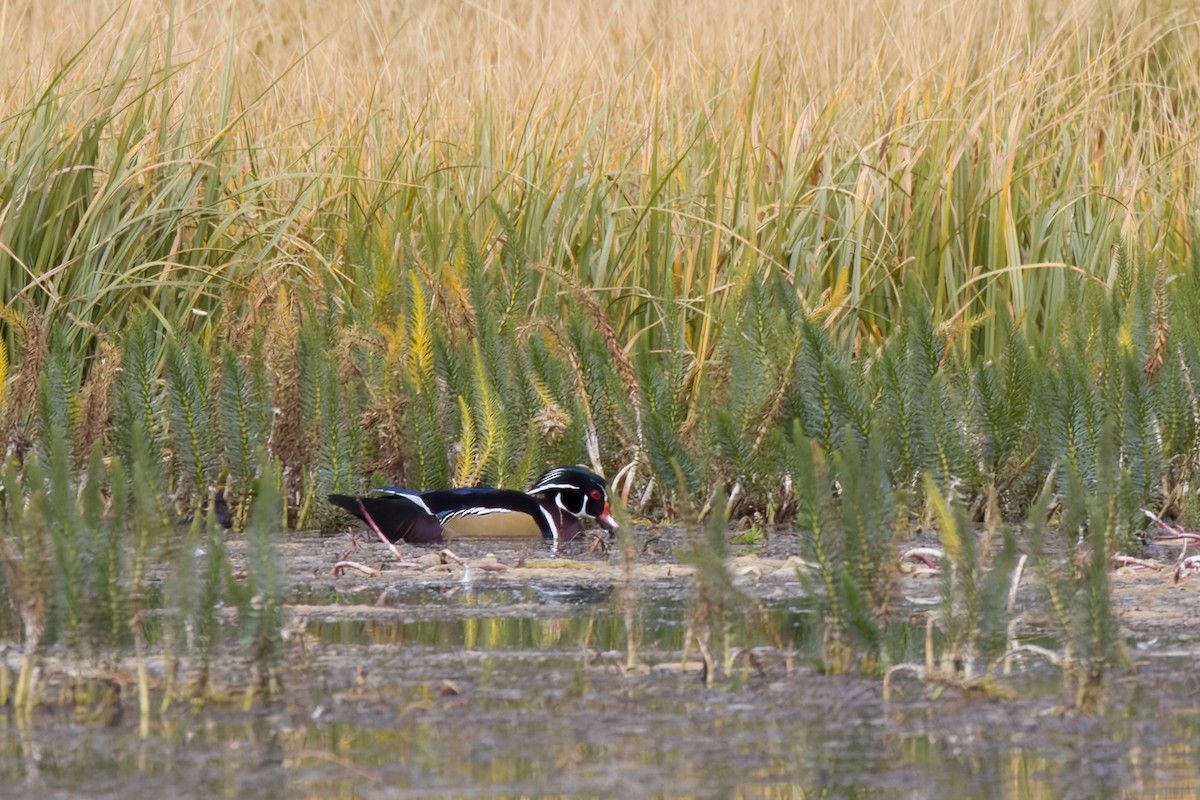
<point>558,501</point>
<point>550,521</point>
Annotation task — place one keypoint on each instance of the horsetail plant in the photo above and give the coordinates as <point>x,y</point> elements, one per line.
<point>976,583</point>
<point>148,517</point>
<point>259,600</point>
<point>188,375</point>
<point>28,569</point>
<point>851,540</point>
<point>1076,588</point>
<point>717,599</point>
<point>243,423</point>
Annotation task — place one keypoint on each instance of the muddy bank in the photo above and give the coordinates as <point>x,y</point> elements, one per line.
<point>508,675</point>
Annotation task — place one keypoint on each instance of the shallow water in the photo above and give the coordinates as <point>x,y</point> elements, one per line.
<point>405,688</point>
<point>544,616</point>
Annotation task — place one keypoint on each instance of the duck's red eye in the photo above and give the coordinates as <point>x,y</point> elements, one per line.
<point>596,494</point>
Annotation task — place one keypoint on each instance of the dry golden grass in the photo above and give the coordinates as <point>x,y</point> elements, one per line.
<point>986,150</point>
<point>332,59</point>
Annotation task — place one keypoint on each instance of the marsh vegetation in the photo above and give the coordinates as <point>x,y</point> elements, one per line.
<point>911,277</point>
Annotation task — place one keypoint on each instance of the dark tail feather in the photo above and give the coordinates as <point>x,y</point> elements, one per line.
<point>396,518</point>
<point>349,503</point>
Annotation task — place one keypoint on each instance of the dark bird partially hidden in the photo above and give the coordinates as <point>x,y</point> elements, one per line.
<point>555,507</point>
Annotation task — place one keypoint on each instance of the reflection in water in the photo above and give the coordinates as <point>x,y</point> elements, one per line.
<point>453,694</point>
<point>510,621</point>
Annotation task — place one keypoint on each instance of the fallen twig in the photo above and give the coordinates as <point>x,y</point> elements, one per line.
<point>1176,536</point>
<point>1016,582</point>
<point>374,527</point>
<point>1051,656</point>
<point>355,539</point>
<point>449,555</point>
<point>1130,561</point>
<point>925,555</point>
<point>598,544</point>
<point>1185,567</point>
<point>1162,523</point>
<point>916,669</point>
<point>340,568</point>
<point>1172,532</point>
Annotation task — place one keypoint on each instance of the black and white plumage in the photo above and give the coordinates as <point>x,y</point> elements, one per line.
<point>555,506</point>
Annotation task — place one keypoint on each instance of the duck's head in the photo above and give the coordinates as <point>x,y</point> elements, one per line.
<point>572,494</point>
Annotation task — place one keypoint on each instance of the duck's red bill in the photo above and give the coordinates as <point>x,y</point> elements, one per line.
<point>606,521</point>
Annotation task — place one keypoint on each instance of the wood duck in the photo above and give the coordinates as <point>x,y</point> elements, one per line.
<point>555,507</point>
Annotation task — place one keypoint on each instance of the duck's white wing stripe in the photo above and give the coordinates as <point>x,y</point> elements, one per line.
<point>473,512</point>
<point>412,497</point>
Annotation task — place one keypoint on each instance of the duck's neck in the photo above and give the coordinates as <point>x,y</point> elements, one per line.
<point>567,525</point>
